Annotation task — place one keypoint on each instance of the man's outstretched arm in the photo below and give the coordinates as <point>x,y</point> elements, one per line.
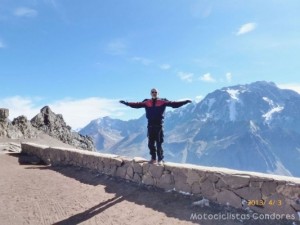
<point>133,104</point>
<point>177,104</point>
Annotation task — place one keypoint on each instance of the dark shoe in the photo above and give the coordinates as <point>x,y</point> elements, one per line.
<point>153,161</point>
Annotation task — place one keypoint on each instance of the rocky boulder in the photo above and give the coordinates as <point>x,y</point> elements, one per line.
<point>7,129</point>
<point>24,126</point>
<point>4,113</point>
<point>55,126</point>
<point>45,122</point>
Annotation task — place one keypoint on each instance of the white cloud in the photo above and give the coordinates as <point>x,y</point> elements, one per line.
<point>207,78</point>
<point>188,77</point>
<point>291,86</point>
<point>142,60</point>
<point>20,106</point>
<point>25,12</point>
<point>117,47</point>
<point>76,112</point>
<point>165,66</point>
<point>228,77</point>
<point>246,28</point>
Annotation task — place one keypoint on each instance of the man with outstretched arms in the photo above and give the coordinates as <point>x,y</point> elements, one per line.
<point>155,108</point>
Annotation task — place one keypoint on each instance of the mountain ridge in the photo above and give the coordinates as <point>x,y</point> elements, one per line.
<point>246,127</point>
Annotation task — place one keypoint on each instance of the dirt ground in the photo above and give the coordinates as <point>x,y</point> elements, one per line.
<point>39,195</point>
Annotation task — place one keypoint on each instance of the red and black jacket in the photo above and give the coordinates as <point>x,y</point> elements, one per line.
<point>155,109</point>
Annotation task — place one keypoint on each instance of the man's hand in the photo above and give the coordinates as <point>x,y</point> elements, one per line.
<point>123,102</point>
<point>188,101</point>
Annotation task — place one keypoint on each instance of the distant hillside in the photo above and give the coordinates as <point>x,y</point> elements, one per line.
<point>252,127</point>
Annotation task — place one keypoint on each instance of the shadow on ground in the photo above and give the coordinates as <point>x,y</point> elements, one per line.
<point>86,215</point>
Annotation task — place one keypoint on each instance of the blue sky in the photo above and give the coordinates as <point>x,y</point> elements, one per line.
<point>81,57</point>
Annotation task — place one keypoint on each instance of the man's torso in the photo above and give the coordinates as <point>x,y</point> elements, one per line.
<point>155,109</point>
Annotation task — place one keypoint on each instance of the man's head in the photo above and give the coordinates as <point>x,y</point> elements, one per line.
<point>154,93</point>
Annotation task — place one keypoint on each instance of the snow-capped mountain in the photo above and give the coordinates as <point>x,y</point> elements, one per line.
<point>252,127</point>
<point>117,136</point>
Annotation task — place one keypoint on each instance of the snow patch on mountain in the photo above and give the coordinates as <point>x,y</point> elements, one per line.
<point>234,98</point>
<point>280,169</point>
<point>232,111</point>
<point>269,101</point>
<point>253,127</point>
<point>274,108</point>
<point>269,114</point>
<point>234,94</point>
<point>210,103</point>
<point>98,121</point>
<point>184,155</point>
<point>207,116</point>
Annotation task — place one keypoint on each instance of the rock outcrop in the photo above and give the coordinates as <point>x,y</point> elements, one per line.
<point>55,126</point>
<point>45,122</point>
<point>24,126</point>
<point>20,127</point>
<point>4,113</point>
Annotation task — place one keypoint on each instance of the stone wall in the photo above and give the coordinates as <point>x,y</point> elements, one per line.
<point>260,192</point>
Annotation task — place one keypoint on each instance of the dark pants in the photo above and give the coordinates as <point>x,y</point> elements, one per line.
<point>155,140</point>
